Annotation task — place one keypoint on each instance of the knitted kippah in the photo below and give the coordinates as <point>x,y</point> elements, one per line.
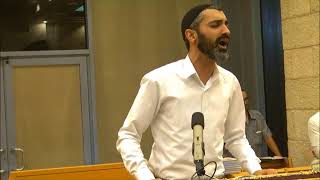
<point>190,16</point>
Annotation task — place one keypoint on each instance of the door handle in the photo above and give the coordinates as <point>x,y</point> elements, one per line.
<point>1,170</point>
<point>22,158</point>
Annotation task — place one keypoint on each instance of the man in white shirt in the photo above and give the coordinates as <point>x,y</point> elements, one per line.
<point>169,95</point>
<point>313,132</point>
<point>314,136</point>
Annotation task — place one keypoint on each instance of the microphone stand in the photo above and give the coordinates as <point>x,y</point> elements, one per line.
<point>201,170</point>
<point>199,167</point>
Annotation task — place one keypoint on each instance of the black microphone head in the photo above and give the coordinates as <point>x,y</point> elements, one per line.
<point>197,119</point>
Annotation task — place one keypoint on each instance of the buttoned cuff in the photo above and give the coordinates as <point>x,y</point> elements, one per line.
<point>144,174</point>
<point>252,166</point>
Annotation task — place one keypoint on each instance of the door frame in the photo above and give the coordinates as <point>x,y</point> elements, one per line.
<point>3,130</point>
<point>39,58</point>
<point>91,90</point>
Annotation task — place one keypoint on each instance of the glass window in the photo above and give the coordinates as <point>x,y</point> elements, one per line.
<point>31,25</point>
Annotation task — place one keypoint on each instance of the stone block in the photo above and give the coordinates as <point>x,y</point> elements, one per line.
<point>316,60</point>
<point>291,129</point>
<point>301,31</point>
<point>297,63</point>
<point>315,7</point>
<point>300,152</point>
<point>297,124</point>
<point>302,94</point>
<point>293,8</point>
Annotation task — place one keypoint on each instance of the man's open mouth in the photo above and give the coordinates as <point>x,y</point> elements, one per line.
<point>223,44</point>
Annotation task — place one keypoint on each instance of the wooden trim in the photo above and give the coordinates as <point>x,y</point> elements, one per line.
<point>89,172</point>
<point>279,171</point>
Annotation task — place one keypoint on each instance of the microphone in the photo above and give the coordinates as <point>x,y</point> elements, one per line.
<point>197,124</point>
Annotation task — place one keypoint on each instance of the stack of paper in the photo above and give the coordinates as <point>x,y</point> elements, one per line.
<point>231,165</point>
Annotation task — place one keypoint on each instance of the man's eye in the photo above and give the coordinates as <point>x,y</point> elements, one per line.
<point>214,25</point>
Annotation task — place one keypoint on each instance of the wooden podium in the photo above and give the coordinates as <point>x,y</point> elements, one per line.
<point>276,163</point>
<point>282,173</point>
<point>113,171</point>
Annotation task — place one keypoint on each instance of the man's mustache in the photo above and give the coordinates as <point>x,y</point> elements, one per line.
<point>223,36</point>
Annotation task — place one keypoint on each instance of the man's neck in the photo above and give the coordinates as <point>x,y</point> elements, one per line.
<point>204,66</point>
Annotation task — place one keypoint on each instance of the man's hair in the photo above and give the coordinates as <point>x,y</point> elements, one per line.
<point>193,18</point>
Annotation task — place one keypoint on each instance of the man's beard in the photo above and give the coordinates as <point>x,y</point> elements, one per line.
<point>211,49</point>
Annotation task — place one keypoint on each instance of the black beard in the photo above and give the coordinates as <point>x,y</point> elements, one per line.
<point>211,49</point>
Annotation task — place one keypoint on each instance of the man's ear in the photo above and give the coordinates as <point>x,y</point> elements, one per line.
<point>191,35</point>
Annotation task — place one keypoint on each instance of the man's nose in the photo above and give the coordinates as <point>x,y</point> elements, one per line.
<point>225,30</point>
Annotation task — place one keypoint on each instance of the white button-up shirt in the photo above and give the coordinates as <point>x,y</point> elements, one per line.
<point>167,98</point>
<point>313,131</point>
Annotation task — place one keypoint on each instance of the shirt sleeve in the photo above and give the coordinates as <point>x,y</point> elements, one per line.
<point>235,139</point>
<point>313,132</point>
<point>137,121</point>
<point>264,127</point>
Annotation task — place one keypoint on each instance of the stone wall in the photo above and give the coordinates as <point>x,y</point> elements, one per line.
<point>300,32</point>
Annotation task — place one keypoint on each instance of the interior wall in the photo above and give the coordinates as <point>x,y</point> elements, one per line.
<point>130,38</point>
<point>300,32</point>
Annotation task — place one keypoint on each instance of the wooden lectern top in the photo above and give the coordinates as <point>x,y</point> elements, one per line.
<point>112,171</point>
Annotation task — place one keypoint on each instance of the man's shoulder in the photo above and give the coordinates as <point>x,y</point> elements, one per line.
<point>254,111</point>
<point>315,119</point>
<point>227,76</point>
<point>164,71</point>
<point>225,73</point>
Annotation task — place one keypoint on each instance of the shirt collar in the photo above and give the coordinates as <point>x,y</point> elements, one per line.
<point>189,70</point>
